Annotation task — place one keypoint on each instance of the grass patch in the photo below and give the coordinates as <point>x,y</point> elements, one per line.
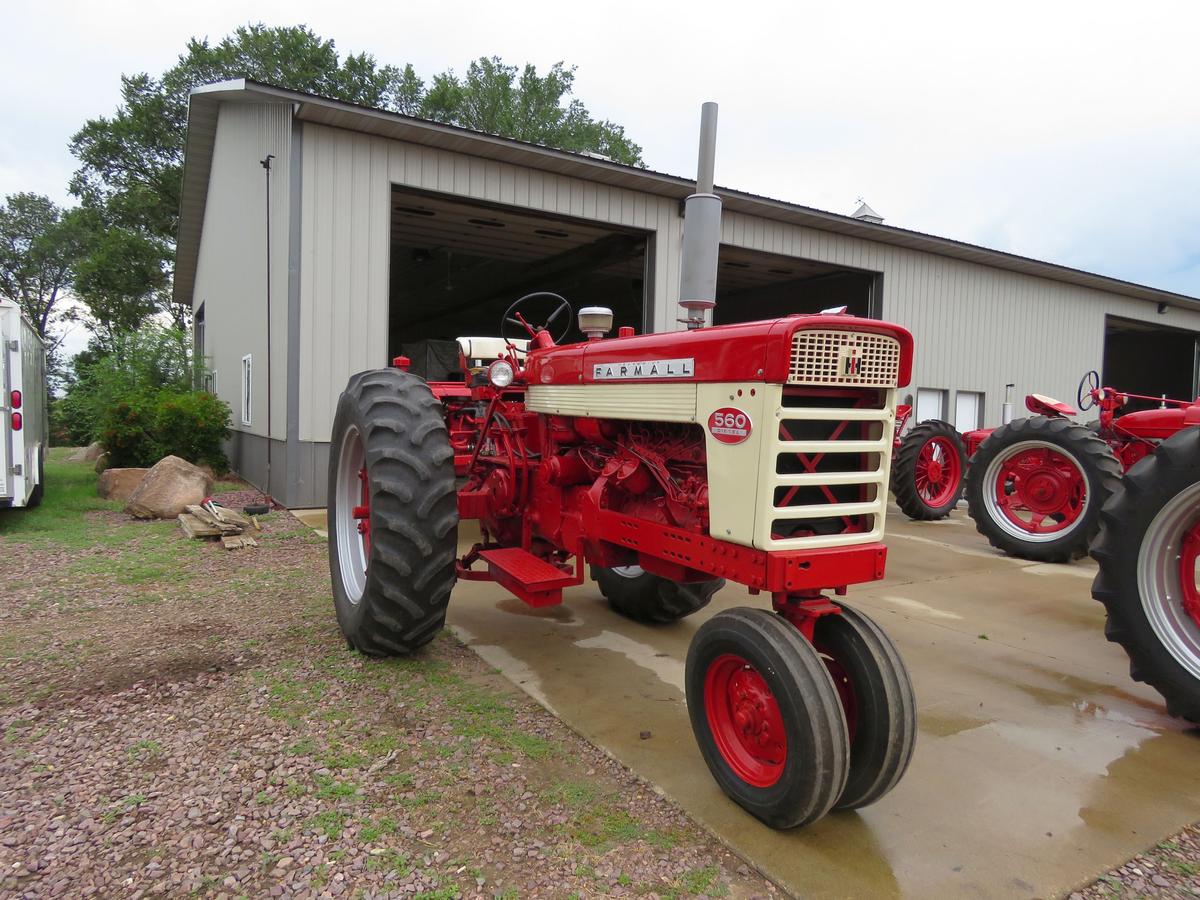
<point>145,749</point>
<point>330,822</point>
<point>70,494</point>
<point>382,860</point>
<point>329,788</point>
<point>704,881</point>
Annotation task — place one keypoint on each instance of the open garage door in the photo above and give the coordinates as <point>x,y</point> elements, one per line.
<point>456,265</point>
<point>754,285</point>
<point>1147,358</point>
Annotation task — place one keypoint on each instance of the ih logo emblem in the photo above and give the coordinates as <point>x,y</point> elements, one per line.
<point>851,362</point>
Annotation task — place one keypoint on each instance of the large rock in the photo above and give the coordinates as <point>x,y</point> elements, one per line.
<point>102,462</point>
<point>119,484</point>
<point>90,453</point>
<point>169,486</point>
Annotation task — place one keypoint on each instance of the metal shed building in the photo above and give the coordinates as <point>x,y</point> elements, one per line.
<point>387,231</point>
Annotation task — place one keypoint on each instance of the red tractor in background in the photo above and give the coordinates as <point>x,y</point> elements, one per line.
<point>1035,486</point>
<point>757,453</point>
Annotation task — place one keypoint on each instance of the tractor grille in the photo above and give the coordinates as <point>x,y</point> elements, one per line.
<point>827,466</point>
<point>844,357</point>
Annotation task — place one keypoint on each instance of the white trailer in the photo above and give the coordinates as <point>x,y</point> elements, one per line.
<point>24,419</point>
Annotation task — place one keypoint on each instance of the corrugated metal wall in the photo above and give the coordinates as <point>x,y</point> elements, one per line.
<point>345,211</point>
<point>231,270</point>
<point>976,328</point>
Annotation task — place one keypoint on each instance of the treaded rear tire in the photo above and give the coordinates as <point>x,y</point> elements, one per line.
<point>1148,487</point>
<point>904,470</point>
<point>816,765</point>
<point>651,598</point>
<point>413,513</point>
<point>1100,468</point>
<point>885,735</point>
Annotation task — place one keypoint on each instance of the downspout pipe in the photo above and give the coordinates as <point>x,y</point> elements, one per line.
<point>701,230</point>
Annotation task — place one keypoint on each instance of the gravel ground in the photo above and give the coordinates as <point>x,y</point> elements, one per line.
<point>176,719</point>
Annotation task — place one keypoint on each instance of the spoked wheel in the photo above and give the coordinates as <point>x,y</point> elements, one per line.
<point>643,597</point>
<point>877,699</point>
<point>1035,487</point>
<point>393,513</point>
<point>927,472</point>
<point>767,717</point>
<point>1149,552</point>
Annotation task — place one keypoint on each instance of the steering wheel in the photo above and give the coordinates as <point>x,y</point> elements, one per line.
<point>513,317</point>
<point>1089,383</point>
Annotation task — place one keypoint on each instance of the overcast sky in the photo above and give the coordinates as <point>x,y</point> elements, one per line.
<point>1065,131</point>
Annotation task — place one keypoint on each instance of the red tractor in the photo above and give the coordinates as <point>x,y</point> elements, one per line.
<point>756,453</point>
<point>1035,486</point>
<point>1148,551</point>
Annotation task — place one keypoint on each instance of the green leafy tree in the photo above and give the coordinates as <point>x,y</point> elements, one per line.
<point>40,245</point>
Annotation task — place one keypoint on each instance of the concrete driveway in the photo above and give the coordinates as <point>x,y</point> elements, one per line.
<point>1039,763</point>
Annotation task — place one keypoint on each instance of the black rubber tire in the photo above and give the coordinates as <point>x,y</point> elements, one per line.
<point>651,598</point>
<point>904,470</point>
<point>39,491</point>
<point>886,726</point>
<point>1148,487</point>
<point>1100,467</point>
<point>414,513</point>
<point>814,774</point>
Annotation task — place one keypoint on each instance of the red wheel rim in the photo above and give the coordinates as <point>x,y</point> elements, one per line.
<point>938,471</point>
<point>745,720</point>
<point>1040,491</point>
<point>1189,553</point>
<point>845,689</point>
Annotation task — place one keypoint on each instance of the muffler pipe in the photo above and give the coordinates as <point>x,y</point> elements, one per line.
<point>701,230</point>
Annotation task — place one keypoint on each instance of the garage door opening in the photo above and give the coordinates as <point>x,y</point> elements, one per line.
<point>457,265</point>
<point>755,285</point>
<point>1151,359</point>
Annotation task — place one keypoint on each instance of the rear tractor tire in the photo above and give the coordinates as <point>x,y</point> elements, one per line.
<point>1148,550</point>
<point>928,470</point>
<point>1036,485</point>
<point>643,597</point>
<point>767,717</point>
<point>393,513</point>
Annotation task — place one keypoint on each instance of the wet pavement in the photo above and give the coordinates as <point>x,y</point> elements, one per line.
<point>1039,763</point>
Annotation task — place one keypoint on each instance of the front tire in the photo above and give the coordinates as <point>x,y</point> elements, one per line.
<point>927,472</point>
<point>877,699</point>
<point>1036,485</point>
<point>637,594</point>
<point>1148,549</point>
<point>393,513</point>
<point>766,717</point>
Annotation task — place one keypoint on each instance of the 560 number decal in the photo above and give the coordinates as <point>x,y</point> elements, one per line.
<point>730,425</point>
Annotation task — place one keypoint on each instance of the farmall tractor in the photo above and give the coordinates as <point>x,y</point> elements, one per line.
<point>756,453</point>
<point>1035,486</point>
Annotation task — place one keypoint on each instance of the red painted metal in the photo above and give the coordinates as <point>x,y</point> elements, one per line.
<point>1040,491</point>
<point>1189,554</point>
<point>1041,405</point>
<point>362,512</point>
<point>531,579</point>
<point>938,471</point>
<point>745,720</point>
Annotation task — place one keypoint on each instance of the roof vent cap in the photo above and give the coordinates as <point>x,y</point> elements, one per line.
<point>864,213</point>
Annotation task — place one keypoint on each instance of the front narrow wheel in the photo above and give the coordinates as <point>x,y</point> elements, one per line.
<point>393,513</point>
<point>927,472</point>
<point>767,717</point>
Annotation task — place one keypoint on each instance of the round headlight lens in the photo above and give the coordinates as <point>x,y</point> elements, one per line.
<point>501,374</point>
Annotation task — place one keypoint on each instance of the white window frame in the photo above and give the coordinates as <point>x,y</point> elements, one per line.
<point>979,398</point>
<point>943,398</point>
<point>247,388</point>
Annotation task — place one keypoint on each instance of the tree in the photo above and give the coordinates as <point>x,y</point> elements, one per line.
<point>40,245</point>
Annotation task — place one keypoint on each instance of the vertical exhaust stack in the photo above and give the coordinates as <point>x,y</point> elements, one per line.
<point>701,230</point>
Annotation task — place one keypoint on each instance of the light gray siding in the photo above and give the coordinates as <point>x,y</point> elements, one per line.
<point>975,327</point>
<point>231,268</point>
<point>345,232</point>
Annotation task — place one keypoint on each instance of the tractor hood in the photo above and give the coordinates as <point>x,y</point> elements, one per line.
<point>1159,424</point>
<point>751,351</point>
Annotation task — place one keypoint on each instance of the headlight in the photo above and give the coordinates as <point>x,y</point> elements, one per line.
<point>501,374</point>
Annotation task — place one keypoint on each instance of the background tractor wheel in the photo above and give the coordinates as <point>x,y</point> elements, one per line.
<point>635,593</point>
<point>767,717</point>
<point>1035,487</point>
<point>393,513</point>
<point>877,699</point>
<point>1148,549</point>
<point>927,471</point>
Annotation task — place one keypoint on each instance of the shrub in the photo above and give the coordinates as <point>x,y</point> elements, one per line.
<point>193,426</point>
<point>127,433</point>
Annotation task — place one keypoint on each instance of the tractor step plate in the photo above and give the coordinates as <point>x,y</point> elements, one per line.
<point>531,579</point>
